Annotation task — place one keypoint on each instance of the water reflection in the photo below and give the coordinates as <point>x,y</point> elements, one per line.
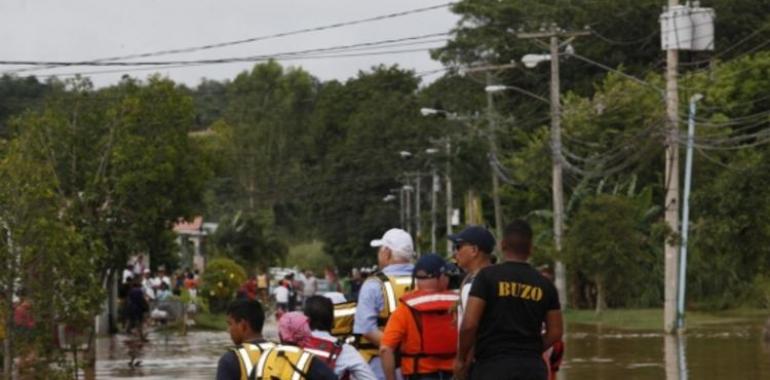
<point>735,351</point>
<point>674,352</point>
<point>725,351</point>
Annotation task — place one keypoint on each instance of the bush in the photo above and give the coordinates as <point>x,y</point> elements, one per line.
<point>221,281</point>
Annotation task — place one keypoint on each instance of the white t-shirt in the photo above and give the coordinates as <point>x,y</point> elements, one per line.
<point>464,292</point>
<point>311,287</point>
<point>154,282</point>
<point>127,273</point>
<point>281,294</point>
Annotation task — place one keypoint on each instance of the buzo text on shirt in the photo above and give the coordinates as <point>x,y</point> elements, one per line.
<point>519,290</point>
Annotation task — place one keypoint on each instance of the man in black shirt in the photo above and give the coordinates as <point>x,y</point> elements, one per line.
<point>244,323</point>
<point>508,306</point>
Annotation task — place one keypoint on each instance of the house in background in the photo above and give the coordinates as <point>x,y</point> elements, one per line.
<point>191,238</point>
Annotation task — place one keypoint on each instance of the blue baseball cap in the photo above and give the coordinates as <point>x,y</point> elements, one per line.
<point>430,265</point>
<point>476,235</point>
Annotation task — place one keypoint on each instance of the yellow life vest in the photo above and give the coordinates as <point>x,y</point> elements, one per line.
<point>393,288</point>
<point>268,361</point>
<point>344,314</point>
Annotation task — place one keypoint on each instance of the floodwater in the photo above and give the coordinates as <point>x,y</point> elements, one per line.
<point>721,352</point>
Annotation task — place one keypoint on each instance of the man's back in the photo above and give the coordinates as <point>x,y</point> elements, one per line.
<point>517,298</point>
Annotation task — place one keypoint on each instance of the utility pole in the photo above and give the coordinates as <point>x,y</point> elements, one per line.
<point>671,260</point>
<point>408,207</point>
<point>448,181</point>
<point>556,157</point>
<point>417,219</point>
<point>401,206</point>
<point>492,155</point>
<point>433,198</point>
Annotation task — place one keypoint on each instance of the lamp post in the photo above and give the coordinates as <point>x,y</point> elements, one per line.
<point>447,170</point>
<point>530,61</point>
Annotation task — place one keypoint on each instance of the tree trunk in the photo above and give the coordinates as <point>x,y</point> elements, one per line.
<point>601,303</point>
<point>89,359</point>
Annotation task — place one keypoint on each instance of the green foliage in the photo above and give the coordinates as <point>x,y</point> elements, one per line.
<point>45,259</point>
<point>246,239</point>
<point>221,280</point>
<point>310,256</point>
<point>606,244</point>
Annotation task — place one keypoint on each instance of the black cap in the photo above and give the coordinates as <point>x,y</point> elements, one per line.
<point>476,235</point>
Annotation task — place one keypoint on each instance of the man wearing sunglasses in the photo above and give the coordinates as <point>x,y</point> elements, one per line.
<point>508,306</point>
<point>473,249</point>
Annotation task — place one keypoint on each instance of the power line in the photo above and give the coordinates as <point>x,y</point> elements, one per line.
<point>259,38</point>
<point>222,60</point>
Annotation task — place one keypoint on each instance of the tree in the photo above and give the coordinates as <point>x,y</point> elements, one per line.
<point>368,120</point>
<point>122,166</point>
<point>605,244</point>
<point>46,261</point>
<point>247,240</point>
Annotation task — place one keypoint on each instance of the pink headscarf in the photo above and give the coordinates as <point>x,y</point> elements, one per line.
<point>294,328</point>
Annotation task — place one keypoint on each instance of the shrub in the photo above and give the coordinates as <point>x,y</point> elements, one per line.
<point>221,281</point>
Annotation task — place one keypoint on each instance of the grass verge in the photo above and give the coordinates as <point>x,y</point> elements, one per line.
<point>652,319</point>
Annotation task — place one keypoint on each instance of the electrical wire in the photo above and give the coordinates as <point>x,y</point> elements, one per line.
<point>222,60</point>
<point>260,38</point>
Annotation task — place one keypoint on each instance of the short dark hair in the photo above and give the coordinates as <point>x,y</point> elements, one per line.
<point>247,310</point>
<point>517,237</point>
<point>320,312</point>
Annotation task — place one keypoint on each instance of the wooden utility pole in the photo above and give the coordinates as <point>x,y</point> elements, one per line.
<point>448,182</point>
<point>671,260</point>
<point>554,34</point>
<point>417,212</point>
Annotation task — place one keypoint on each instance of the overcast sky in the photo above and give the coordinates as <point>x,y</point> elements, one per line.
<point>76,30</point>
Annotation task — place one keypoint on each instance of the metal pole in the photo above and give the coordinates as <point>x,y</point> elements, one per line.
<point>433,196</point>
<point>671,260</point>
<point>557,185</point>
<point>417,219</point>
<point>401,206</point>
<point>448,180</point>
<point>408,208</point>
<point>686,213</point>
<point>493,154</point>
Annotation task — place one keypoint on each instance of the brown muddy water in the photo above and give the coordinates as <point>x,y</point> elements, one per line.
<point>720,352</point>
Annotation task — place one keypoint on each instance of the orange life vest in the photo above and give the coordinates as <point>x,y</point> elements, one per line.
<point>433,313</point>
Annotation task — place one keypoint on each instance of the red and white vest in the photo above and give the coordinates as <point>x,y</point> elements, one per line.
<point>434,315</point>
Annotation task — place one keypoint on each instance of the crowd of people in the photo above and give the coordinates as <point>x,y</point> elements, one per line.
<point>144,294</point>
<point>425,319</point>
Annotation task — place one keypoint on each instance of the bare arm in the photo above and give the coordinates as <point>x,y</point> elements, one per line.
<point>374,336</point>
<point>468,330</point>
<point>554,328</point>
<point>388,359</point>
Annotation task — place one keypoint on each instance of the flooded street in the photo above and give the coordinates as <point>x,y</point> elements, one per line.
<point>722,352</point>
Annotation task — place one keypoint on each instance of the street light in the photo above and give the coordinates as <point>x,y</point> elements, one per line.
<point>532,60</point>
<point>389,198</point>
<point>496,88</point>
<point>433,111</point>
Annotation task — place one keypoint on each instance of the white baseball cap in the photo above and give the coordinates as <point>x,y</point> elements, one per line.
<point>397,240</point>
